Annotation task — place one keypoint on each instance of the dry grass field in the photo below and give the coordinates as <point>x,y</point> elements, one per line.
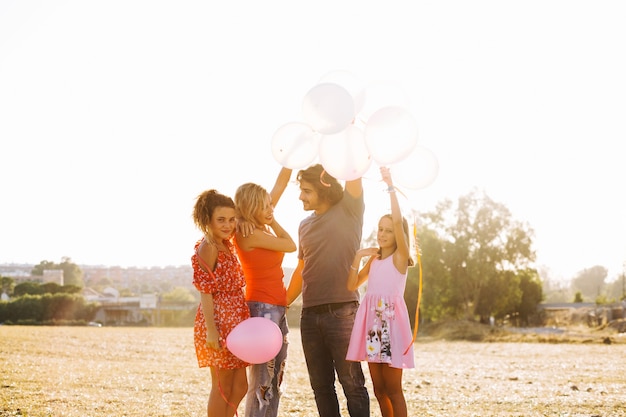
<point>87,371</point>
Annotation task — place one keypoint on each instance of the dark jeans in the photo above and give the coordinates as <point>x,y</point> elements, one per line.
<point>326,334</point>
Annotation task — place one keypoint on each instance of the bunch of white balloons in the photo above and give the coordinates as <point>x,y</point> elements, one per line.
<point>348,125</point>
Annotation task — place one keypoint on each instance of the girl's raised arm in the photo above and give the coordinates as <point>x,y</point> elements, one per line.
<point>280,185</point>
<point>402,253</point>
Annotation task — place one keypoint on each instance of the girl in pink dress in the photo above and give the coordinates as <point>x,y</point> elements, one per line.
<point>382,333</point>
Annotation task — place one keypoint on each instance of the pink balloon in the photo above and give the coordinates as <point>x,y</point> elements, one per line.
<point>255,340</point>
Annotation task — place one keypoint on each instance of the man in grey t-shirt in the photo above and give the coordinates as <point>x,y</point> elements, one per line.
<point>328,241</point>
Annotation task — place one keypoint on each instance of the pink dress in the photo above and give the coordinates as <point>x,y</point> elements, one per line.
<point>382,330</point>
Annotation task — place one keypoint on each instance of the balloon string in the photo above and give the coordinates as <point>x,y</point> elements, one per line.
<point>219,385</point>
<point>419,291</point>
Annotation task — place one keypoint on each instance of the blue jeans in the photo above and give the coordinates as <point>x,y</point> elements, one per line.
<point>264,379</point>
<point>326,334</point>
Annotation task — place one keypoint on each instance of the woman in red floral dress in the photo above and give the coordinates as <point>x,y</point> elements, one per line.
<point>218,276</point>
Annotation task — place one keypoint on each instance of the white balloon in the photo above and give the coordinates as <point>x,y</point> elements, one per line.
<point>344,154</point>
<point>328,108</point>
<point>417,171</point>
<point>350,82</point>
<point>390,135</point>
<point>295,145</point>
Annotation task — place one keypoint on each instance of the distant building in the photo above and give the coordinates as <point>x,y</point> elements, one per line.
<point>591,314</point>
<point>146,309</point>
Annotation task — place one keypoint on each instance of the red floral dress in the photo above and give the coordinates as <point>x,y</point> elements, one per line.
<point>226,284</point>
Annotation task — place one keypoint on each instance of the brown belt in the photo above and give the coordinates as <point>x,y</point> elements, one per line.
<point>328,308</point>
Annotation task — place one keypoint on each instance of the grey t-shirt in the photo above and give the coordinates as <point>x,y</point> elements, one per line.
<point>327,244</point>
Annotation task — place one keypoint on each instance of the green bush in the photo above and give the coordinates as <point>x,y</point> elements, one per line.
<point>47,308</point>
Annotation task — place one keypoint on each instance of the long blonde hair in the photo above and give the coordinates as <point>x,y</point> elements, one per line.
<point>249,199</point>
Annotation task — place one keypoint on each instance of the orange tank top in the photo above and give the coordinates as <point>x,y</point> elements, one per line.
<point>263,271</point>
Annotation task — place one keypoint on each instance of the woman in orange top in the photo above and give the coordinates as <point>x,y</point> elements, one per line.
<point>261,246</point>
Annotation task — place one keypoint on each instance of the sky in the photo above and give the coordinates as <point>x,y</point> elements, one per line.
<point>115,115</point>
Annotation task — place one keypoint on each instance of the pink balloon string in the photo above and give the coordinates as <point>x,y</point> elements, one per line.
<point>324,183</point>
<point>219,385</point>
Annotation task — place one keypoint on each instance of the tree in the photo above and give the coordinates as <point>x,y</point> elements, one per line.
<point>473,256</point>
<point>35,288</point>
<point>47,308</point>
<point>72,274</point>
<point>7,285</point>
<point>103,283</point>
<point>500,297</point>
<point>436,302</point>
<point>617,289</point>
<point>532,294</point>
<point>30,288</point>
<point>182,317</point>
<point>179,295</point>
<point>590,282</point>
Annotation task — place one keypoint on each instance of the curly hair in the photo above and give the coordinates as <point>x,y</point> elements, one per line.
<point>206,203</point>
<point>326,186</point>
<point>249,199</point>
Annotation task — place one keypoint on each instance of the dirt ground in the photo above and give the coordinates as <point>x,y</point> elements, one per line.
<point>85,371</point>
